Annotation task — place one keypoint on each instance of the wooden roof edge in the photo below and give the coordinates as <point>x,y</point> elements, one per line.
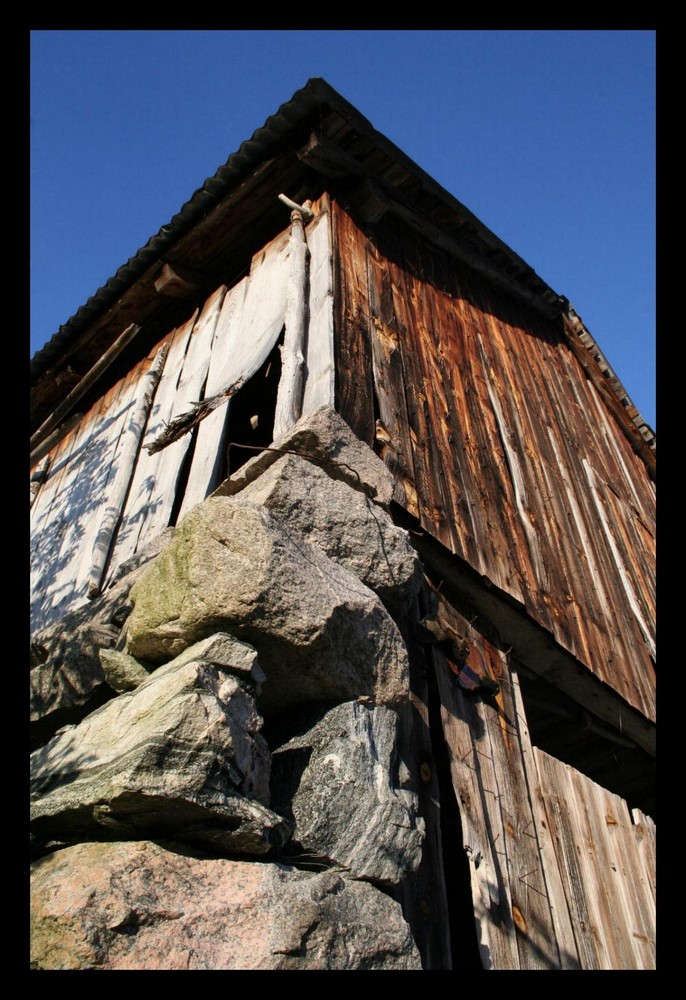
<point>637,431</point>
<point>315,95</point>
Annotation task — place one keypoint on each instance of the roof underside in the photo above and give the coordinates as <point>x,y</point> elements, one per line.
<point>316,133</point>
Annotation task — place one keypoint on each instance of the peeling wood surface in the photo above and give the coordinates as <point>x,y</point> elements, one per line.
<point>209,435</point>
<point>605,860</point>
<point>126,461</point>
<point>319,384</point>
<point>501,446</point>
<point>230,337</point>
<point>290,393</point>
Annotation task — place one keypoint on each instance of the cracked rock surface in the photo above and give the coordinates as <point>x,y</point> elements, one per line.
<point>142,906</point>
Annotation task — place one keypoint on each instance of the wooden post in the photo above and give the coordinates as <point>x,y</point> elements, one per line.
<point>126,463</point>
<point>290,394</point>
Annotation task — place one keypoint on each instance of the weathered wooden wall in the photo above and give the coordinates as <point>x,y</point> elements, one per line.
<point>562,876</point>
<point>501,446</point>
<point>228,338</point>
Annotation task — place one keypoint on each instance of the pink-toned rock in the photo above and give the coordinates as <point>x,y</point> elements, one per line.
<point>140,906</point>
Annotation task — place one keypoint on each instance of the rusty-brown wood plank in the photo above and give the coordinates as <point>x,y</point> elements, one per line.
<point>394,442</point>
<point>435,511</point>
<point>501,418</point>
<point>354,378</point>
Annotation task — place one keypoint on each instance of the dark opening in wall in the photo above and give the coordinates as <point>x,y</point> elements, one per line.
<point>564,729</point>
<point>251,414</point>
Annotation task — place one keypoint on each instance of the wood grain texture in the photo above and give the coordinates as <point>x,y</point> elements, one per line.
<point>319,384</point>
<point>509,454</point>
<point>606,867</point>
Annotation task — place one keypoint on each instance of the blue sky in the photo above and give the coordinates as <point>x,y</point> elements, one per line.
<point>547,136</point>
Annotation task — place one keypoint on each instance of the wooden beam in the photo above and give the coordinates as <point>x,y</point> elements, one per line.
<point>52,439</point>
<point>85,384</point>
<point>179,282</point>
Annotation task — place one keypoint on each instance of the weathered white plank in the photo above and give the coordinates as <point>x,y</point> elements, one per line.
<point>249,340</point>
<point>597,811</point>
<point>632,896</point>
<point>126,459</point>
<point>83,491</point>
<point>48,522</point>
<point>320,380</point>
<point>208,457</point>
<point>143,517</point>
<point>289,396</point>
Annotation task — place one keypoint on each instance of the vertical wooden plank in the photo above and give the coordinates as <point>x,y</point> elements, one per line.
<point>622,871</point>
<point>208,457</point>
<point>354,379</point>
<point>289,397</point>
<point>126,460</point>
<point>319,384</point>
<point>423,892</point>
<point>557,797</point>
<point>152,491</point>
<point>602,891</point>
<point>396,446</point>
<point>559,909</point>
<point>645,838</point>
<point>531,908</point>
<point>471,769</point>
<point>48,523</point>
<point>435,509</point>
<point>90,466</point>
<point>262,314</point>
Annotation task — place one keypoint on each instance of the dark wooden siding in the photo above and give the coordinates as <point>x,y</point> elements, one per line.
<point>501,446</point>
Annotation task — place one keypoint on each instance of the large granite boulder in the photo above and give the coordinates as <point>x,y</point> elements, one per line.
<point>322,436</point>
<point>348,795</point>
<point>345,523</point>
<point>321,635</point>
<point>180,756</point>
<point>141,906</point>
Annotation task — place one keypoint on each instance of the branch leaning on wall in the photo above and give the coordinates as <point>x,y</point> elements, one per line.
<point>185,422</point>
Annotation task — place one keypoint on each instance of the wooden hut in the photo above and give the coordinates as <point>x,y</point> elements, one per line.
<point>522,471</point>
